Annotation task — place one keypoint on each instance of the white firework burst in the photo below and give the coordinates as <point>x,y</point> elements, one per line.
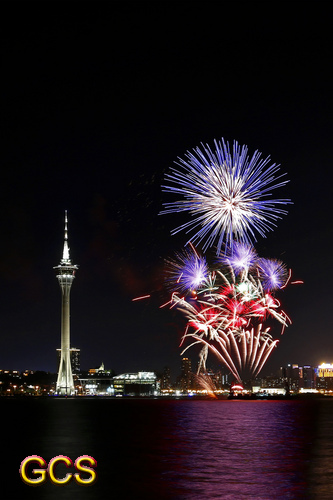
<point>227,193</point>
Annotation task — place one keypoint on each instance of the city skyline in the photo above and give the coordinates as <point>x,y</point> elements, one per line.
<point>92,127</point>
<point>291,379</point>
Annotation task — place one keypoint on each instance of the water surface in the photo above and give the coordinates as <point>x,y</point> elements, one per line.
<point>162,449</point>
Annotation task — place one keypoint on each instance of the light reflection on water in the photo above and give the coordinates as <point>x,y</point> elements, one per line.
<point>157,449</point>
<point>246,449</point>
<point>321,472</point>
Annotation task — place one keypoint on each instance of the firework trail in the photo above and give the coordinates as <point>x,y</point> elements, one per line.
<point>227,192</point>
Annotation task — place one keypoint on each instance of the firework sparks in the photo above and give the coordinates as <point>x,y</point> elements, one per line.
<point>242,258</point>
<point>187,271</point>
<point>243,352</point>
<point>274,273</point>
<point>228,193</point>
<point>230,305</point>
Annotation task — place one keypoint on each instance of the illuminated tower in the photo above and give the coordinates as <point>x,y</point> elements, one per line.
<point>65,274</point>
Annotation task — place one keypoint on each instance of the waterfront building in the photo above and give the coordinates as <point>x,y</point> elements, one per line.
<point>65,273</point>
<point>100,369</point>
<point>325,377</point>
<point>136,384</point>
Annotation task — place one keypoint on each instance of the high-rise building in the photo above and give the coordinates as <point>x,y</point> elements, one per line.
<point>166,379</point>
<point>136,384</point>
<point>186,376</point>
<point>309,377</point>
<point>65,274</point>
<point>294,375</point>
<point>75,359</point>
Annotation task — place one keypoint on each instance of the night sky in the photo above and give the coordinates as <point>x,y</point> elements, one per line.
<point>99,100</point>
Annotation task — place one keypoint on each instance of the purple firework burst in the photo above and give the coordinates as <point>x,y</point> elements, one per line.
<point>241,257</point>
<point>228,193</point>
<point>273,273</point>
<point>187,271</point>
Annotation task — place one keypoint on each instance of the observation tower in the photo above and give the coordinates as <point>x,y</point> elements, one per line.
<point>65,274</point>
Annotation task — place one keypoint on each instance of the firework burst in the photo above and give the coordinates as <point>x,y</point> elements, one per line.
<point>273,273</point>
<point>187,271</point>
<point>242,257</point>
<point>228,193</point>
<point>227,312</point>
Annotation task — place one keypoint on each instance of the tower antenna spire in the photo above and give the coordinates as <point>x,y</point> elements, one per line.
<point>65,255</point>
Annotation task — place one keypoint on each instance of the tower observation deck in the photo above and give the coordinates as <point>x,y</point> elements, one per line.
<point>65,273</point>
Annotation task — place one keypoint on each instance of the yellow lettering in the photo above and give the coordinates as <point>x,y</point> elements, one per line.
<point>52,464</point>
<point>83,468</point>
<point>42,472</point>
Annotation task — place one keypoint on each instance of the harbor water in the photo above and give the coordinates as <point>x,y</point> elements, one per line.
<point>173,449</point>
